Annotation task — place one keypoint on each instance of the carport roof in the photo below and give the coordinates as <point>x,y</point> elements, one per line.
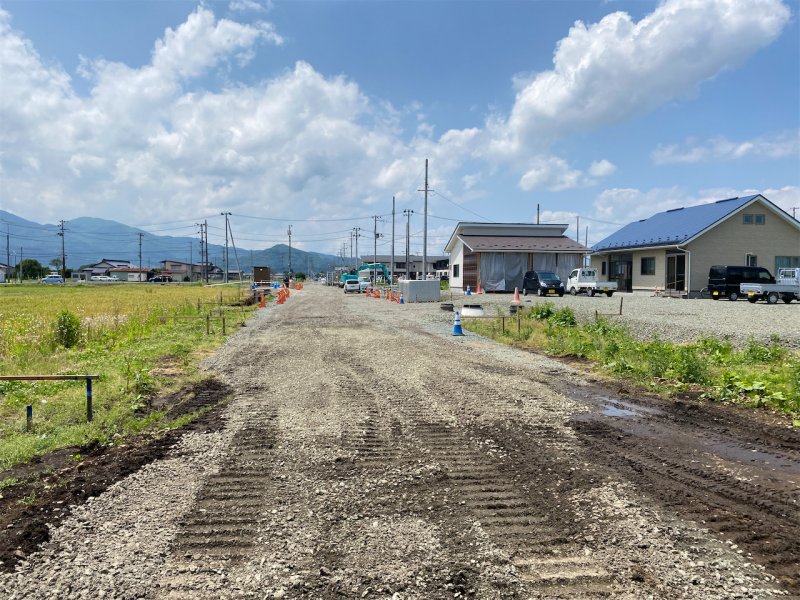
<point>491,243</point>
<point>677,226</point>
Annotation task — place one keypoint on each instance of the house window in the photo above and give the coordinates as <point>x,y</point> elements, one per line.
<point>649,265</point>
<point>751,260</point>
<point>786,262</point>
<point>603,268</point>
<point>751,219</point>
<point>455,270</point>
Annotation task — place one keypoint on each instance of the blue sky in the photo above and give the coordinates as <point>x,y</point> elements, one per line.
<point>161,114</point>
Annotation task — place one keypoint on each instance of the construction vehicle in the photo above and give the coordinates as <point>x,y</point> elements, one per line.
<point>373,271</point>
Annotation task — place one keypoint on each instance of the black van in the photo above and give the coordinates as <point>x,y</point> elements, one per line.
<point>723,281</point>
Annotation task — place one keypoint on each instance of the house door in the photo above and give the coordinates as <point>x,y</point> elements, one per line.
<point>676,272</point>
<point>621,270</point>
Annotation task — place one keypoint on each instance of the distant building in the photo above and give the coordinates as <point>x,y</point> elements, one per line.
<point>437,264</point>
<point>497,255</point>
<point>131,273</point>
<point>674,250</point>
<point>102,268</point>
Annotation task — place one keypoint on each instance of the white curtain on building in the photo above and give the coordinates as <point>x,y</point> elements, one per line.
<point>502,271</point>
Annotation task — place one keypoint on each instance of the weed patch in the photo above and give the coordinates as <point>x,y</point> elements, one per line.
<point>759,374</point>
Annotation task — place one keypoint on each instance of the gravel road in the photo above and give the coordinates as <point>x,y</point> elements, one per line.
<point>368,453</point>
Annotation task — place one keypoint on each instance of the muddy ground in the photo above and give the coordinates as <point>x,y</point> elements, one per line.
<point>365,451</point>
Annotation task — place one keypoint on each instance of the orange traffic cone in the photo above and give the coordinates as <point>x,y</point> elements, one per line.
<point>516,296</point>
<point>479,291</point>
<point>377,294</point>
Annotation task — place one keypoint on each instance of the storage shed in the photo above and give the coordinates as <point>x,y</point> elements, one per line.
<point>498,254</point>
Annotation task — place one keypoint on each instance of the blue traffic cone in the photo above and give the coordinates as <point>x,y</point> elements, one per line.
<point>457,325</point>
<point>401,298</point>
<point>468,292</point>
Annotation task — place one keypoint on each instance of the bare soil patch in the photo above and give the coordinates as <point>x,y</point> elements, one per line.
<point>51,485</point>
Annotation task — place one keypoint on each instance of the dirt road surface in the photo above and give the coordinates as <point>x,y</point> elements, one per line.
<point>366,452</point>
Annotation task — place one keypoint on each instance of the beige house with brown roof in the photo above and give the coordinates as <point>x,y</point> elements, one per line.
<point>498,254</point>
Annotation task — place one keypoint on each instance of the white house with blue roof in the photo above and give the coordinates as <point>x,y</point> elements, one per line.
<point>674,250</point>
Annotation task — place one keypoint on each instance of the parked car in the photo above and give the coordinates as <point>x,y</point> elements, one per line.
<point>363,284</point>
<point>724,280</point>
<point>786,288</point>
<point>543,283</point>
<point>53,279</point>
<point>584,281</point>
<point>104,278</point>
<point>352,285</point>
<point>160,279</point>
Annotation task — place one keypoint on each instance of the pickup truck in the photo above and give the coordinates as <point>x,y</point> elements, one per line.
<point>786,288</point>
<point>585,281</point>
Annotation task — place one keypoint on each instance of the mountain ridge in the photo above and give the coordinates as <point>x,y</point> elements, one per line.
<point>88,240</point>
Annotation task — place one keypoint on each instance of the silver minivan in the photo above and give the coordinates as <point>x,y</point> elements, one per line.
<point>53,279</point>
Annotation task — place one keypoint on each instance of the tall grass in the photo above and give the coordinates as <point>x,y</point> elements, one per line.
<point>757,374</point>
<point>126,334</point>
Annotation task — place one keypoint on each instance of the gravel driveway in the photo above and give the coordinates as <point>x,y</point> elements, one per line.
<point>368,453</point>
<point>673,319</point>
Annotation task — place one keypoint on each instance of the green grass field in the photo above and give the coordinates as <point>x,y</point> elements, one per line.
<point>140,339</point>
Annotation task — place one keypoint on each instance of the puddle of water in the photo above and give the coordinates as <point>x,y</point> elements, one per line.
<point>614,411</point>
<point>734,452</point>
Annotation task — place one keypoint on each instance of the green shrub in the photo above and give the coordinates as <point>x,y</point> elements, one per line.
<point>67,329</point>
<point>563,317</point>
<point>543,311</point>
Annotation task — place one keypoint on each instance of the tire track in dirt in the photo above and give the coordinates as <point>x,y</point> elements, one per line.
<point>223,527</point>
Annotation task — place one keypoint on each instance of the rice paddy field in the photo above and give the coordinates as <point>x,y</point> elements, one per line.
<point>140,339</point>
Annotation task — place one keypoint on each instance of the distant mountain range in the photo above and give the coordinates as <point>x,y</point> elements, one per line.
<point>88,240</point>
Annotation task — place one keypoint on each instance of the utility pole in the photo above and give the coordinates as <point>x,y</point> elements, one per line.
<point>578,229</point>
<point>408,214</point>
<point>376,235</point>
<point>351,249</point>
<point>357,234</point>
<point>141,235</point>
<point>794,211</point>
<point>202,261</point>
<point>63,256</point>
<point>205,265</point>
<point>290,250</point>
<point>225,257</point>
<point>391,269</point>
<point>8,248</point>
<point>425,227</point>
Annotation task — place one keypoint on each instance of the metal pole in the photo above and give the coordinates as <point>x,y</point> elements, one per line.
<point>290,249</point>
<point>89,413</point>
<point>391,269</point>
<point>225,256</point>
<point>407,212</point>
<point>425,229</point>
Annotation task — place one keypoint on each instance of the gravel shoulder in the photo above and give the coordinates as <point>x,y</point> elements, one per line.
<point>367,452</point>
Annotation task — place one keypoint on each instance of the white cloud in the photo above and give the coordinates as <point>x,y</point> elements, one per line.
<point>721,149</point>
<point>554,174</point>
<point>243,6</point>
<point>602,168</point>
<point>617,68</point>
